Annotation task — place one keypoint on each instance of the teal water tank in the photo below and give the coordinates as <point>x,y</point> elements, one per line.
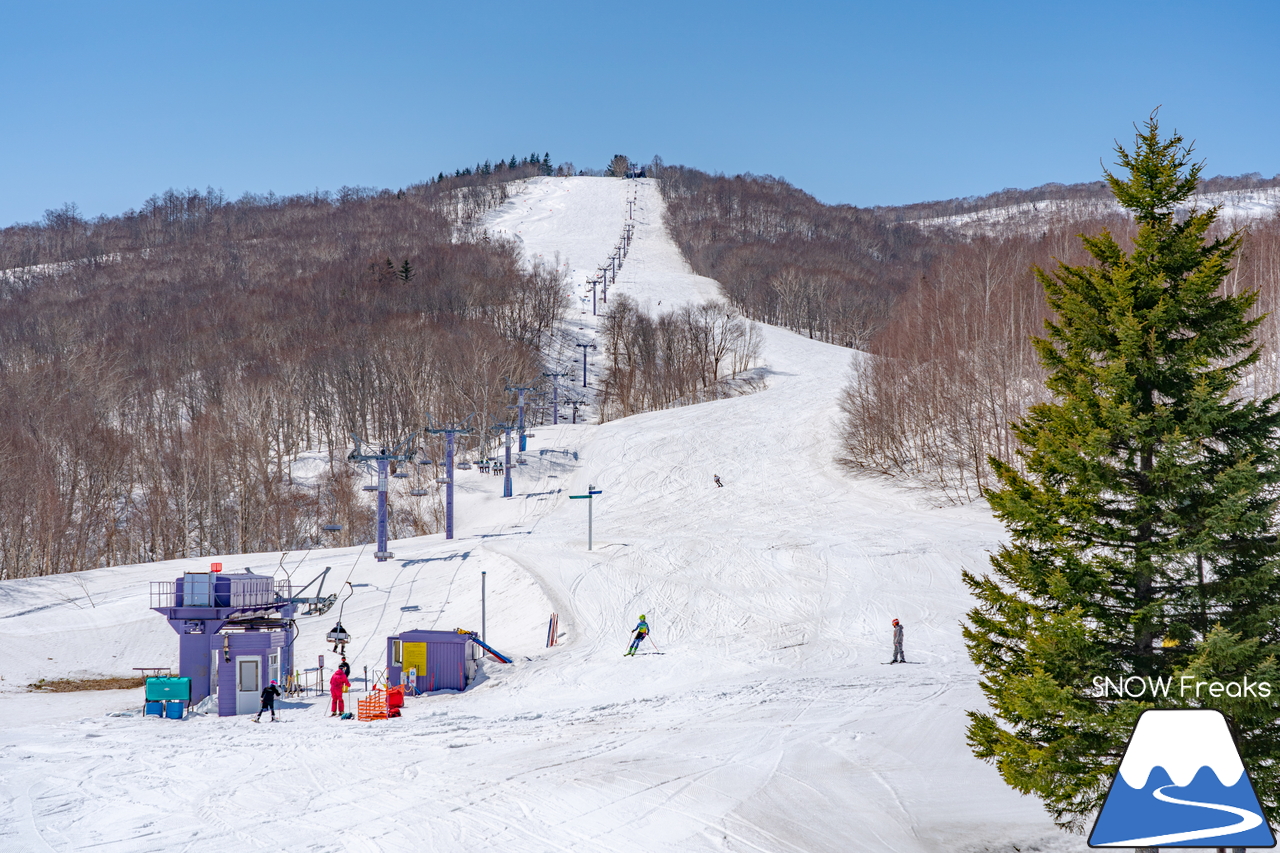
<point>169,688</point>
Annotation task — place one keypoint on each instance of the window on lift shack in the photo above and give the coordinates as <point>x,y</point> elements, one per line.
<point>396,653</point>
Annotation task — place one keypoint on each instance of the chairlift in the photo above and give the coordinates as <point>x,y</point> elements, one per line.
<point>418,493</point>
<point>337,635</point>
<point>400,475</point>
<point>370,487</point>
<point>331,528</point>
<point>520,460</point>
<point>464,465</point>
<point>443,480</point>
<point>425,462</point>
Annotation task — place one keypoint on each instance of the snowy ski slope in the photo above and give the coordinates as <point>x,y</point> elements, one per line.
<point>767,723</point>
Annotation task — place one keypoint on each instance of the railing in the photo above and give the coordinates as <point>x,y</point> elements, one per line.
<point>164,594</point>
<point>241,595</point>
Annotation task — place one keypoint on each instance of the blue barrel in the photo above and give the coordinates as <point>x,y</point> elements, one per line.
<point>173,710</point>
<point>154,709</point>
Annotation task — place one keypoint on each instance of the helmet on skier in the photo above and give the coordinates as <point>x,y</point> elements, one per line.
<point>641,617</point>
<point>895,622</point>
<point>273,681</point>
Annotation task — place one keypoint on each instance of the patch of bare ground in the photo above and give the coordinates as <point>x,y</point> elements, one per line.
<point>71,685</point>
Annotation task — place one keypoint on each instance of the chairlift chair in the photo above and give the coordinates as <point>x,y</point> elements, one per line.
<point>338,636</point>
<point>331,528</point>
<point>418,493</point>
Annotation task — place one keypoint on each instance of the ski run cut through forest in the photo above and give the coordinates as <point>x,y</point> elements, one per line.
<point>757,716</point>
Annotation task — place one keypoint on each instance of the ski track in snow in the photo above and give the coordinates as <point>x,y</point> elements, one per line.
<point>766,724</point>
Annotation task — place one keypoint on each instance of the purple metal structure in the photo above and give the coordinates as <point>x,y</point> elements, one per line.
<point>520,389</point>
<point>383,469</point>
<point>448,487</point>
<point>506,467</point>
<point>585,347</point>
<point>555,396</point>
<point>449,432</point>
<point>450,663</point>
<point>233,634</point>
<point>383,458</point>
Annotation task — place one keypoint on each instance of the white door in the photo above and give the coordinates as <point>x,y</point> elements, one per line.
<point>248,685</point>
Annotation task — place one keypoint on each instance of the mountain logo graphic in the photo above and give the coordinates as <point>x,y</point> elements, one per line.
<point>1181,784</point>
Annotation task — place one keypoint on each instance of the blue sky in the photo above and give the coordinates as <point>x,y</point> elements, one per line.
<point>104,104</point>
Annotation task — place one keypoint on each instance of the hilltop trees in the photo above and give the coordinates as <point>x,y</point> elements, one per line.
<point>1139,532</point>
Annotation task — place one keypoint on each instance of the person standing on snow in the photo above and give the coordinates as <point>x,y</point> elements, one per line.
<point>898,656</point>
<point>345,667</point>
<point>641,630</point>
<point>716,477</point>
<point>336,685</point>
<point>269,694</point>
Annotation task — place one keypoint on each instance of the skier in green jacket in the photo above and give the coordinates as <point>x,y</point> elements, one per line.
<point>641,631</point>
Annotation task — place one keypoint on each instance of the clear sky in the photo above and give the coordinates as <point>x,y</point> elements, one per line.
<point>106,103</point>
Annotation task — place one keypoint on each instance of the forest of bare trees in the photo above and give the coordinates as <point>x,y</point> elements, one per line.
<point>955,365</point>
<point>679,357</point>
<point>161,371</point>
<point>782,257</point>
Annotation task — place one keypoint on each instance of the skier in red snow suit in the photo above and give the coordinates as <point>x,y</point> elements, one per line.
<point>336,683</point>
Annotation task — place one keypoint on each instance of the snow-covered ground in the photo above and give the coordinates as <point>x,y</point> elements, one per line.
<point>1238,207</point>
<point>760,718</point>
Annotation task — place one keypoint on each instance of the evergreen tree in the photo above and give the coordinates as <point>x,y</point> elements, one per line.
<point>406,272</point>
<point>512,163</point>
<point>1139,536</point>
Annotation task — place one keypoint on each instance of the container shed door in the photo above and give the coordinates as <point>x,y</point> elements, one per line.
<point>248,684</point>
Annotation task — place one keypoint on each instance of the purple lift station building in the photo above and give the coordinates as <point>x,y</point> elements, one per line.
<point>234,634</point>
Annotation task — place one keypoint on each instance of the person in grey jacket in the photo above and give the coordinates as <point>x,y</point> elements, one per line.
<point>898,656</point>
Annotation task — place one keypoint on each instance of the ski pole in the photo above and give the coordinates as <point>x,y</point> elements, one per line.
<point>652,643</point>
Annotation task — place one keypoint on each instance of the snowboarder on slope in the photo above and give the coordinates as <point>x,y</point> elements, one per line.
<point>641,630</point>
<point>898,656</point>
<point>336,685</point>
<point>716,477</point>
<point>269,694</point>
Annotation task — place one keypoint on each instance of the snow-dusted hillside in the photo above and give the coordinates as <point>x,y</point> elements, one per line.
<point>761,718</point>
<point>1238,207</point>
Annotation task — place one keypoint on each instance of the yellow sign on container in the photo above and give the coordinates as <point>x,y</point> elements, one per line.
<point>415,657</point>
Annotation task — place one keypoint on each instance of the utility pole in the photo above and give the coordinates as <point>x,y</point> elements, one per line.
<point>449,431</point>
<point>585,347</point>
<point>383,459</point>
<point>592,491</point>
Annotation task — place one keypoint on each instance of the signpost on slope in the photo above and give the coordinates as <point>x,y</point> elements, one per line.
<point>592,491</point>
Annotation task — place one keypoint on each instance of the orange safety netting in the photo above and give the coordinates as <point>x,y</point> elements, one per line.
<point>381,704</point>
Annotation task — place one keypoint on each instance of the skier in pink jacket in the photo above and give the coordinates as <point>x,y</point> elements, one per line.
<point>336,683</point>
